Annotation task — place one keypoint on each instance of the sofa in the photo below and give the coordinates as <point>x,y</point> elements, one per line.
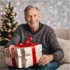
<point>63,39</point>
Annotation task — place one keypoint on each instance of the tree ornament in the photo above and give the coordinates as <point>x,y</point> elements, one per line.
<point>6,39</point>
<point>10,7</point>
<point>3,16</point>
<point>0,34</point>
<point>9,24</point>
<point>12,14</point>
<point>4,27</point>
<point>13,29</point>
<point>9,35</point>
<point>1,39</point>
<point>8,20</point>
<point>2,21</point>
<point>9,30</point>
<point>15,24</point>
<point>8,10</point>
<point>6,30</point>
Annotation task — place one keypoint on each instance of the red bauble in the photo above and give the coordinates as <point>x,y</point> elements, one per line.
<point>9,35</point>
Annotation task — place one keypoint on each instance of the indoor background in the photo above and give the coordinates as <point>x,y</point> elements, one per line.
<point>54,13</point>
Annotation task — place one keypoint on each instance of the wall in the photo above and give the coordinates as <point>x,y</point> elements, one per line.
<point>54,13</point>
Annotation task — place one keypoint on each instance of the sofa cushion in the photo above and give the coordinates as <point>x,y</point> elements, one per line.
<point>63,67</point>
<point>65,46</point>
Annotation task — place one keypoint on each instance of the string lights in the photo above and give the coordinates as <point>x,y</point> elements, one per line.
<point>48,9</point>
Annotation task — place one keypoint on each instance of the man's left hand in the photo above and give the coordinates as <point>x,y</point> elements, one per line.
<point>45,59</point>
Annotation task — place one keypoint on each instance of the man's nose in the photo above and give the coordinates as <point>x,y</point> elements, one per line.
<point>32,18</point>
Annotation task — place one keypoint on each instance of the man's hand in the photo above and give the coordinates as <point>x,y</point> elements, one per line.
<point>10,52</point>
<point>45,59</point>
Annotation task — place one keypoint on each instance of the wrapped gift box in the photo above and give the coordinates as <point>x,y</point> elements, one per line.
<point>24,57</point>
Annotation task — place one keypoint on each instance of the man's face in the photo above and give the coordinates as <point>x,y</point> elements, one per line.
<point>32,18</point>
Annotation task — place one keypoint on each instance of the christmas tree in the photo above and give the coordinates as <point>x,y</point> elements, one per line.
<point>8,25</point>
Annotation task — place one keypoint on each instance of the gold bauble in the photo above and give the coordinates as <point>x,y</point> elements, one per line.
<point>10,7</point>
<point>6,39</point>
<point>0,34</point>
<point>8,20</point>
<point>2,21</point>
<point>1,39</point>
<point>6,30</point>
<point>9,24</point>
<point>3,16</point>
<point>8,10</point>
<point>9,30</point>
<point>1,29</point>
<point>4,27</point>
<point>16,24</point>
<point>12,14</point>
<point>13,30</point>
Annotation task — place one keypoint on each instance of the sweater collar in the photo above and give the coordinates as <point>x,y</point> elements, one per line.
<point>40,26</point>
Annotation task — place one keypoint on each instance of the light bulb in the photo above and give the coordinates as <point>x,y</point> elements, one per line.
<point>51,0</point>
<point>1,5</point>
<point>51,11</point>
<point>66,27</point>
<point>51,25</point>
<point>51,7</point>
<point>15,9</point>
<point>18,21</point>
<point>1,9</point>
<point>65,19</point>
<point>56,11</point>
<point>54,5</point>
<point>54,23</point>
<point>20,9</point>
<point>59,3</point>
<point>3,0</point>
<point>17,16</point>
<point>8,0</point>
<point>18,3</point>
<point>65,13</point>
<point>1,13</point>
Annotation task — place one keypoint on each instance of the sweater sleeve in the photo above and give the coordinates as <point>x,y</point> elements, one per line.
<point>15,39</point>
<point>56,50</point>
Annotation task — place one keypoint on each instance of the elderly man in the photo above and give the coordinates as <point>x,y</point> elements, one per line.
<point>42,34</point>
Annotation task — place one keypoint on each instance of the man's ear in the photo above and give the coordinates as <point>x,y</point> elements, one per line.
<point>39,16</point>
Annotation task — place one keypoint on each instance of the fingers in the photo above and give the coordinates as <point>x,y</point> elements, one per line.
<point>44,60</point>
<point>10,52</point>
<point>10,48</point>
<point>41,59</point>
<point>7,53</point>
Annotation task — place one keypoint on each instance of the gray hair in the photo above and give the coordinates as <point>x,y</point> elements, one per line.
<point>29,7</point>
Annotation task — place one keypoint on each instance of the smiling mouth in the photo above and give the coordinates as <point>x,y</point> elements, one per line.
<point>33,22</point>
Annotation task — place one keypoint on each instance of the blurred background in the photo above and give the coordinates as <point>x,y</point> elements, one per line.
<point>54,13</point>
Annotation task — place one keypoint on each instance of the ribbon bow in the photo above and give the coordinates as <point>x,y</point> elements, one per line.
<point>32,45</point>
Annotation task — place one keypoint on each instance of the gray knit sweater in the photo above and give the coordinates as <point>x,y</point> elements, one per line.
<point>45,36</point>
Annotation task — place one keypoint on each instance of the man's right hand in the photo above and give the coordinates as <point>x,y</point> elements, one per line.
<point>10,52</point>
